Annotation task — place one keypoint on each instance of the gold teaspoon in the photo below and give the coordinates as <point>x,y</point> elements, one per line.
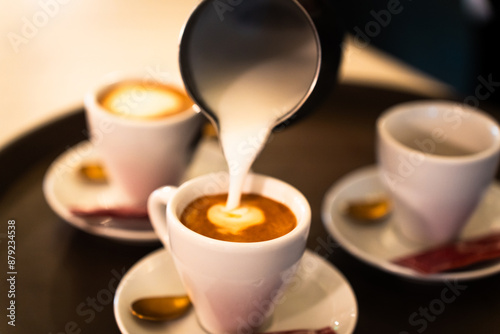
<point>369,210</point>
<point>160,308</point>
<point>94,172</point>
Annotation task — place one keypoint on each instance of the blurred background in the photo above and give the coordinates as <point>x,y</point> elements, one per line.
<point>53,51</point>
<point>454,41</point>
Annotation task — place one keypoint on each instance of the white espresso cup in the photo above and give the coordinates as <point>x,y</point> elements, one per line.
<point>436,159</point>
<point>141,150</point>
<point>234,286</point>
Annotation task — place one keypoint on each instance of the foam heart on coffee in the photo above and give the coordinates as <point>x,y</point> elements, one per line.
<point>235,220</point>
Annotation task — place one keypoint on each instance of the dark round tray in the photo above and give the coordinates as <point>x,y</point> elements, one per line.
<point>65,278</point>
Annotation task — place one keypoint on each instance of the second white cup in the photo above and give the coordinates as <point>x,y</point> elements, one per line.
<point>436,159</point>
<point>141,151</point>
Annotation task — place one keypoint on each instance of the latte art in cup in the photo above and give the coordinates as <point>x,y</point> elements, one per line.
<point>258,218</point>
<point>229,282</point>
<point>144,100</point>
<point>144,132</point>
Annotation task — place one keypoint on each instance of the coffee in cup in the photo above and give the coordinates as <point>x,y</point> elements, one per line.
<point>234,286</point>
<point>148,100</point>
<point>144,132</point>
<point>258,218</point>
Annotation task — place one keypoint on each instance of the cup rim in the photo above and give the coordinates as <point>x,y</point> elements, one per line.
<point>301,228</point>
<point>92,104</point>
<point>407,107</point>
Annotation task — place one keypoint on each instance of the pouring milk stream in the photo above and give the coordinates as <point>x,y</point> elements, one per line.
<point>249,109</point>
<point>247,93</point>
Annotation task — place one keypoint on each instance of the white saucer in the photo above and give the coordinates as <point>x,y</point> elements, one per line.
<point>377,244</point>
<point>320,297</point>
<point>64,188</point>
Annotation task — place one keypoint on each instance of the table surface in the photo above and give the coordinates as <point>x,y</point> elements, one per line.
<point>60,267</point>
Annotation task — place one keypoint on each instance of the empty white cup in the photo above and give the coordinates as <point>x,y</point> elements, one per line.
<point>436,159</point>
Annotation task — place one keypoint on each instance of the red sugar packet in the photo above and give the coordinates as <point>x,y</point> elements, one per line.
<point>119,212</point>
<point>326,330</point>
<point>454,255</point>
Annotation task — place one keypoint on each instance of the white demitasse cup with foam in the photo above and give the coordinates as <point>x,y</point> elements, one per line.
<point>142,148</point>
<point>436,159</point>
<point>234,286</point>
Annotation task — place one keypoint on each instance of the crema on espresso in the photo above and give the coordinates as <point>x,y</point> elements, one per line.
<point>144,100</point>
<point>257,218</point>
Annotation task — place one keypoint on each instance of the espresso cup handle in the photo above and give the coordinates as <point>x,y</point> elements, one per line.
<point>157,210</point>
